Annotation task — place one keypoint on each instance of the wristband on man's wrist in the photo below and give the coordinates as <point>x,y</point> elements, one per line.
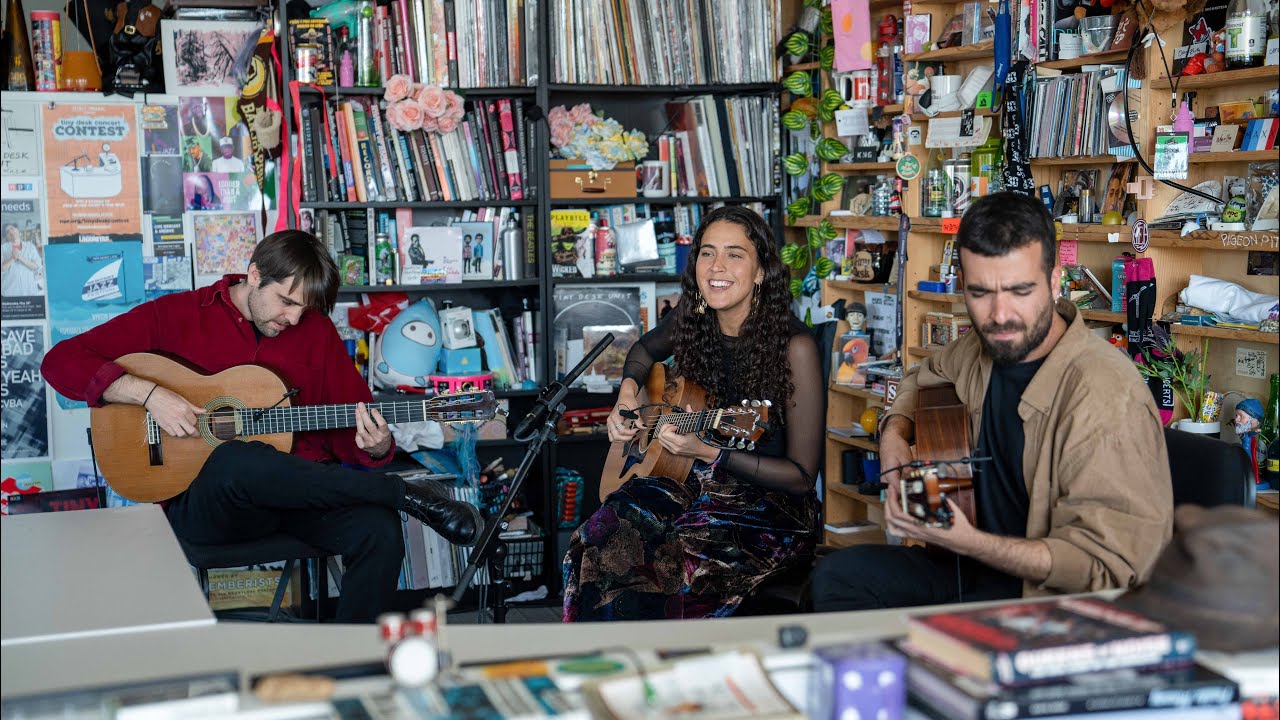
<point>148,397</point>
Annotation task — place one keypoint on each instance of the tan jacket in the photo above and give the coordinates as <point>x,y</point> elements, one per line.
<point>1094,460</point>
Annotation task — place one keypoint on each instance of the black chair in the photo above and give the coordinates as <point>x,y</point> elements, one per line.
<point>271,549</point>
<point>1207,471</point>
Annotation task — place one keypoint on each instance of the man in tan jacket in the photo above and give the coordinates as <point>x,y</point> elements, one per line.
<point>1077,495</point>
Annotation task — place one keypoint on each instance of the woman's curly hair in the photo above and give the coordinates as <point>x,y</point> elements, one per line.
<point>762,340</point>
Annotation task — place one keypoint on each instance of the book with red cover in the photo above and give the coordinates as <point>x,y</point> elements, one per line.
<point>1024,643</point>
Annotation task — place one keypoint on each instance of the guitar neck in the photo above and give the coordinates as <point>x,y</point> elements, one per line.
<point>303,418</point>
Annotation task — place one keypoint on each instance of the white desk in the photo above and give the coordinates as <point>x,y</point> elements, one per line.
<point>253,648</point>
<point>88,573</point>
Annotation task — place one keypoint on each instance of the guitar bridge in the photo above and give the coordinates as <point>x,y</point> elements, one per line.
<point>155,451</point>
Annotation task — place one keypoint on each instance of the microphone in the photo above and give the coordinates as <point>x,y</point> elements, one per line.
<point>553,394</point>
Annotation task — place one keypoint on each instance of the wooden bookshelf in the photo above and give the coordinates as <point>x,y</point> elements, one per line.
<point>858,442</point>
<point>935,297</point>
<point>850,491</point>
<point>1109,57</point>
<point>857,392</point>
<point>1107,315</point>
<point>1081,160</point>
<point>866,222</point>
<point>1223,240</point>
<point>1222,333</point>
<point>976,51</point>
<point>802,67</point>
<point>806,221</point>
<point>1226,78</point>
<point>887,167</point>
<point>850,286</point>
<point>1234,156</point>
<point>978,112</point>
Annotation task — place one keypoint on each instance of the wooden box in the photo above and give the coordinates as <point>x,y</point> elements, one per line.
<point>572,184</point>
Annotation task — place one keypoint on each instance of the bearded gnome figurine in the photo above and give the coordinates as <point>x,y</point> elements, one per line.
<point>1247,420</point>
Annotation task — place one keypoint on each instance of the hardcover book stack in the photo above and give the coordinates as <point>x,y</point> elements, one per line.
<point>350,153</point>
<point>664,42</point>
<point>1062,657</point>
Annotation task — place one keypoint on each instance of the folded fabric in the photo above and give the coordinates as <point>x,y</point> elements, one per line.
<point>412,436</point>
<point>1229,301</point>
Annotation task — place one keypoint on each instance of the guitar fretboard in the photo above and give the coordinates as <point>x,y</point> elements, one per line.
<point>687,422</point>
<point>248,422</point>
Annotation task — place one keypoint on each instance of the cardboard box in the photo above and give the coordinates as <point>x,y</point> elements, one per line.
<point>574,184</point>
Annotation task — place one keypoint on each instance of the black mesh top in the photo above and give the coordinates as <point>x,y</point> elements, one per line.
<point>786,458</point>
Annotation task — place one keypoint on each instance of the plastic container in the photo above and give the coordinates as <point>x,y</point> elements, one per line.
<point>46,50</point>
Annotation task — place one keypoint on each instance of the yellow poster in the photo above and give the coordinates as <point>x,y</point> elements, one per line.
<point>91,173</point>
<point>233,589</point>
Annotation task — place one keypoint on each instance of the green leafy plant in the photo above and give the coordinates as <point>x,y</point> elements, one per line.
<point>1184,371</point>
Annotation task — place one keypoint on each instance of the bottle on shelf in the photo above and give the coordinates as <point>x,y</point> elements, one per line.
<point>1271,418</point>
<point>17,45</point>
<point>1246,34</point>
<point>606,249</point>
<point>936,197</point>
<point>985,173</point>
<point>385,259</point>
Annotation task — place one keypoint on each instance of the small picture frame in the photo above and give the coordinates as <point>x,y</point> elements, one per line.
<point>200,56</point>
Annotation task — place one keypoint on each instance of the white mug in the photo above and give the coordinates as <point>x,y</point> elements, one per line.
<point>654,179</point>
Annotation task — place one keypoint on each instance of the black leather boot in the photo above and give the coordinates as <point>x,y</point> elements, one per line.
<point>457,522</point>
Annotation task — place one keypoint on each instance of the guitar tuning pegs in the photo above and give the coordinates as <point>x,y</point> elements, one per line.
<point>751,446</point>
<point>755,403</point>
<point>768,403</point>
<point>744,402</point>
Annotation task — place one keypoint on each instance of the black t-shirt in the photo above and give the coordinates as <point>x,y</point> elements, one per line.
<point>1000,491</point>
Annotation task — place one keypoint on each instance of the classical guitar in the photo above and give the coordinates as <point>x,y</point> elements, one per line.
<point>145,464</point>
<point>943,468</point>
<point>738,426</point>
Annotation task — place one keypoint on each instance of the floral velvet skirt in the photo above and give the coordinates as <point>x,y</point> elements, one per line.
<point>658,549</point>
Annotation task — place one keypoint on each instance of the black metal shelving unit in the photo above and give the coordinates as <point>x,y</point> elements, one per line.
<point>538,207</point>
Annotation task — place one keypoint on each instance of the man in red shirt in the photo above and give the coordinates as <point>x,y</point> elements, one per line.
<point>275,316</point>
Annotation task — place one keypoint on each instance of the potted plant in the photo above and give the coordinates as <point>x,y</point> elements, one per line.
<point>1185,373</point>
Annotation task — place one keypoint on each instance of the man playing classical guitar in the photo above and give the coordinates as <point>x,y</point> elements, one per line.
<point>1076,496</point>
<point>275,316</point>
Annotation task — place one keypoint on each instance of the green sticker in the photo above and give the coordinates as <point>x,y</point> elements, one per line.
<point>590,666</point>
<point>908,167</point>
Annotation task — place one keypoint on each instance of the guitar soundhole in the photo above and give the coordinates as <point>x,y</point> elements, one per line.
<point>222,422</point>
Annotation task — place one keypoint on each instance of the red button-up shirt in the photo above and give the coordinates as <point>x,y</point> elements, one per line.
<point>206,329</point>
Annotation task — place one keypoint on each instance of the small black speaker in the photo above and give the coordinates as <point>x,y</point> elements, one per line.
<point>851,466</point>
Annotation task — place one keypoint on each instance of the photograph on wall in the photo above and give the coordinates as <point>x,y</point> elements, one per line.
<point>223,242</point>
<point>165,275</point>
<point>666,298</point>
<point>21,139</point>
<point>89,284</point>
<point>162,184</point>
<point>159,125</point>
<point>220,191</point>
<point>24,424</point>
<point>90,173</point>
<point>200,56</point>
<point>22,270</point>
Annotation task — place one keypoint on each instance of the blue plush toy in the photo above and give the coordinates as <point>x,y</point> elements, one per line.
<point>409,350</point>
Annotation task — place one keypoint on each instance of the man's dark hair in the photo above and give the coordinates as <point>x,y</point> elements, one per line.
<point>1002,222</point>
<point>300,255</point>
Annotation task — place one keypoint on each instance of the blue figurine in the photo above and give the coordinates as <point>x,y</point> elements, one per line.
<point>409,350</point>
<point>1248,419</point>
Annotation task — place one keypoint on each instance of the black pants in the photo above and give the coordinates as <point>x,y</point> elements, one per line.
<point>249,490</point>
<point>869,577</point>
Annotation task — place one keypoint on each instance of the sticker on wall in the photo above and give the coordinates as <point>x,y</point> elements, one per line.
<point>1141,236</point>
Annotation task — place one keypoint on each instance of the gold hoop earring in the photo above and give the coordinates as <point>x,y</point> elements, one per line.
<point>701,307</point>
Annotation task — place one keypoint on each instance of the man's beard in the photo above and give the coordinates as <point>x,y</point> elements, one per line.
<point>1012,353</point>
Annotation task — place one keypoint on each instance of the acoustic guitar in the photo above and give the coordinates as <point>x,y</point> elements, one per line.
<point>738,426</point>
<point>145,464</point>
<point>943,468</point>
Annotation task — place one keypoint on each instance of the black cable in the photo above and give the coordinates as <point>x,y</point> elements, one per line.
<point>1128,125</point>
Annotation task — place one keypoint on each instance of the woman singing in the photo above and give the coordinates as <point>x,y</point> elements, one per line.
<point>697,546</point>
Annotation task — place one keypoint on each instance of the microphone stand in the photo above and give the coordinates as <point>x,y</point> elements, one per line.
<point>537,428</point>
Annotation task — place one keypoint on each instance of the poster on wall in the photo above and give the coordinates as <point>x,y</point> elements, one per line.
<point>91,173</point>
<point>22,276</point>
<point>159,125</point>
<point>24,424</point>
<point>224,242</point>
<point>90,283</point>
<point>21,140</point>
<point>22,478</point>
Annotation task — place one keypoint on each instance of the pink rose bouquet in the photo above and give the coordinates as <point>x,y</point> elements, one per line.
<point>414,106</point>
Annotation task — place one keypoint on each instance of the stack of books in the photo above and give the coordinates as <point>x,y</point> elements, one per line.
<point>1060,657</point>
